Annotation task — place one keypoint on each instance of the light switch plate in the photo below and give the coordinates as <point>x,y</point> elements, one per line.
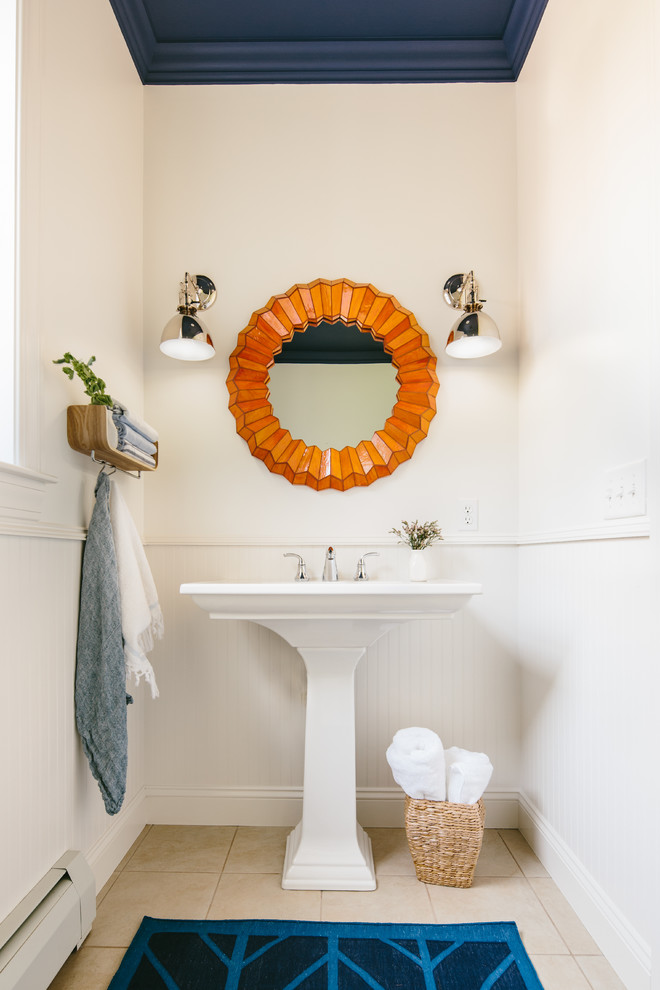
<point>625,491</point>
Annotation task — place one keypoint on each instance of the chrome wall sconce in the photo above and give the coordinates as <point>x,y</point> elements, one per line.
<point>185,337</point>
<point>474,334</point>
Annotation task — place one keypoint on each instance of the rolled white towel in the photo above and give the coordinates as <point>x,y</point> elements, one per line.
<point>417,761</point>
<point>468,775</point>
<point>455,779</point>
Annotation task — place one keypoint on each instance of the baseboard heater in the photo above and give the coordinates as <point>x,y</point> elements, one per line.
<point>50,922</point>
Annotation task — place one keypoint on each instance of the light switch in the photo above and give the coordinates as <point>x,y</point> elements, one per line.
<point>625,491</point>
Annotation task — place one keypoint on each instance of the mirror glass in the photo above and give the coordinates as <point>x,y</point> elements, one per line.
<point>332,405</point>
<point>334,385</point>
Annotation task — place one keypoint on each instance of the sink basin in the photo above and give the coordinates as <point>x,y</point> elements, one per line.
<point>333,613</point>
<point>331,624</point>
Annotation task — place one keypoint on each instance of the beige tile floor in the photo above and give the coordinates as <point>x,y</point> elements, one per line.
<point>226,872</point>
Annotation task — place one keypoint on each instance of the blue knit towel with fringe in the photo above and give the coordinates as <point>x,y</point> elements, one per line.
<point>100,693</point>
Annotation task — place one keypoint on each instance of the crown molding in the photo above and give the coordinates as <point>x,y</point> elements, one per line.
<point>406,61</point>
<point>337,61</point>
<point>520,31</point>
<point>138,33</point>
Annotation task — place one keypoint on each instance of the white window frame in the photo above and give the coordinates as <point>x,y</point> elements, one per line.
<point>22,485</point>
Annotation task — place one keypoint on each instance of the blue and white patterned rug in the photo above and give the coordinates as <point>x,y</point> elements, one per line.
<point>310,955</point>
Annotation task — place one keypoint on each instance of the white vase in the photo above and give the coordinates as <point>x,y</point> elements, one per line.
<point>417,565</point>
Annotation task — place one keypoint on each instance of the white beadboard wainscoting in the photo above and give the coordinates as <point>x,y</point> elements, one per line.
<point>548,672</point>
<point>588,656</point>
<point>232,707</point>
<point>50,802</point>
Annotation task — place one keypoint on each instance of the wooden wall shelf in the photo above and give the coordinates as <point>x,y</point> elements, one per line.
<point>374,312</point>
<point>87,432</point>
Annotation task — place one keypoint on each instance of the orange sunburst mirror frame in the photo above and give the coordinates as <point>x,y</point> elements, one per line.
<point>292,312</point>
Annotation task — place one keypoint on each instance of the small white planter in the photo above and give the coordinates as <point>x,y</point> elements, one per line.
<point>418,565</point>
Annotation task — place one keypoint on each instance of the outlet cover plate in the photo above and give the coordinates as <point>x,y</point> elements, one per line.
<point>468,514</point>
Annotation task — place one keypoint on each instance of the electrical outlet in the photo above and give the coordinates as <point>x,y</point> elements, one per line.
<point>625,491</point>
<point>468,514</point>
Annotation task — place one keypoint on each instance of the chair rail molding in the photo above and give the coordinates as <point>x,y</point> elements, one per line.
<point>22,495</point>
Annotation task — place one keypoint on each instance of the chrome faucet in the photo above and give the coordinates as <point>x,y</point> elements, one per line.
<point>330,566</point>
<point>302,569</point>
<point>361,572</point>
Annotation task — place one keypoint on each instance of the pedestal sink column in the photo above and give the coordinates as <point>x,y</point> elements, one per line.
<point>328,850</point>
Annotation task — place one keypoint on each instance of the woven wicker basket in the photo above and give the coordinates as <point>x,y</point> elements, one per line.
<point>445,840</point>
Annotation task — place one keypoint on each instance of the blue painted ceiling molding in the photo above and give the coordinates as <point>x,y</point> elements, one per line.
<point>215,42</point>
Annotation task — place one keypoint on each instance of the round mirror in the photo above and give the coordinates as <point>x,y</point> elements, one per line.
<point>333,385</point>
<point>339,316</point>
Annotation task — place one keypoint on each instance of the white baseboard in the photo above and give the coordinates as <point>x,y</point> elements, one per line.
<point>376,807</point>
<point>626,952</point>
<point>223,805</point>
<point>108,851</point>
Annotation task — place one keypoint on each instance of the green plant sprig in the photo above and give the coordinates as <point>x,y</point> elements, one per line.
<point>94,386</point>
<point>418,536</point>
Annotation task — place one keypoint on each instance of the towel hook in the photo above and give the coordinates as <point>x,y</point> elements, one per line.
<point>105,464</point>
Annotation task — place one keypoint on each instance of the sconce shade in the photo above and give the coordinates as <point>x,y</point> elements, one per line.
<point>473,335</point>
<point>185,337</point>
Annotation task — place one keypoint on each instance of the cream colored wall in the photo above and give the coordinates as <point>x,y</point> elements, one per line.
<point>586,188</point>
<point>588,165</point>
<point>263,187</point>
<point>87,111</point>
<point>82,255</point>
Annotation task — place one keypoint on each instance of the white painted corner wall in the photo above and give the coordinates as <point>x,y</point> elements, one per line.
<point>81,290</point>
<point>588,162</point>
<point>80,245</point>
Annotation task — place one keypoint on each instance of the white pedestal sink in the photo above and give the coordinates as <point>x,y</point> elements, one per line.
<point>331,625</point>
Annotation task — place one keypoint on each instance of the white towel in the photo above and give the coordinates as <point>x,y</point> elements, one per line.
<point>141,617</point>
<point>455,778</point>
<point>468,775</point>
<point>417,761</point>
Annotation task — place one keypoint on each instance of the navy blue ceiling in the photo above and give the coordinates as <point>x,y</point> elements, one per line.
<point>326,41</point>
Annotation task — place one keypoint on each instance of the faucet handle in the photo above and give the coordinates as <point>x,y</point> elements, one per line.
<point>361,572</point>
<point>302,568</point>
